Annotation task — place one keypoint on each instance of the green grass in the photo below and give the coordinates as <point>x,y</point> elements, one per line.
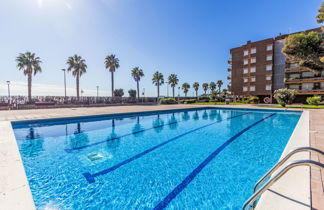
<point>295,106</point>
<point>216,103</point>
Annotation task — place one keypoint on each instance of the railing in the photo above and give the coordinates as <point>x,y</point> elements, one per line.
<point>295,69</point>
<point>313,91</point>
<point>249,203</point>
<point>301,80</point>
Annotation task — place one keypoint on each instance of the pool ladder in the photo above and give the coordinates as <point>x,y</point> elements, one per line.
<point>251,202</point>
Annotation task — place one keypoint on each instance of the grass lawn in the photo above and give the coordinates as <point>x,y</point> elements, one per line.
<point>295,106</point>
<point>217,103</point>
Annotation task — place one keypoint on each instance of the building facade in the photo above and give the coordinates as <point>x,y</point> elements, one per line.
<point>259,68</point>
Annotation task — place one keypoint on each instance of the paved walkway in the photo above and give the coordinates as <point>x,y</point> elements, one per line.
<point>317,141</point>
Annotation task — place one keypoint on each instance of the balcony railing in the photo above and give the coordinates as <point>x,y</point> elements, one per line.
<point>304,80</point>
<point>229,61</point>
<point>229,69</point>
<point>295,69</point>
<point>311,92</point>
<point>229,77</point>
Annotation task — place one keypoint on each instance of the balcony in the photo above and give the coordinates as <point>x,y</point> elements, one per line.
<point>229,77</point>
<point>229,69</point>
<point>311,92</point>
<point>295,70</point>
<point>304,80</point>
<point>229,61</point>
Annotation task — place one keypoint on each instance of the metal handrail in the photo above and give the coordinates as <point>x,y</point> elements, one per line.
<point>277,176</point>
<point>283,160</point>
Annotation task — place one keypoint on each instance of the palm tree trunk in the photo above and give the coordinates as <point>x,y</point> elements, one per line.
<point>29,87</point>
<point>112,84</point>
<point>173,91</point>
<point>185,94</point>
<point>77,87</point>
<point>196,93</point>
<point>158,90</point>
<point>137,91</point>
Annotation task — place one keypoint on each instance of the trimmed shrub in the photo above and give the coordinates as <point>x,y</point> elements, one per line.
<point>119,92</point>
<point>313,100</point>
<point>132,93</point>
<point>168,101</point>
<point>285,96</point>
<point>190,101</point>
<point>253,100</point>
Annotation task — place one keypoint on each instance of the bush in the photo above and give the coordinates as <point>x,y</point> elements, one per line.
<point>168,101</point>
<point>313,100</point>
<point>253,100</point>
<point>190,101</point>
<point>132,93</point>
<point>285,96</point>
<point>119,92</point>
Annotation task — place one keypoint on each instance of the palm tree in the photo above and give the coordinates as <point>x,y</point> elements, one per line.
<point>137,73</point>
<point>173,81</point>
<point>30,64</point>
<point>205,87</point>
<point>112,63</point>
<point>219,84</point>
<point>196,87</point>
<point>185,88</point>
<point>212,86</point>
<point>77,65</point>
<point>157,81</point>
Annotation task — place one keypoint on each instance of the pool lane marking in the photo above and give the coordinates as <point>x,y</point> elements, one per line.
<point>179,188</point>
<point>70,150</point>
<point>90,177</point>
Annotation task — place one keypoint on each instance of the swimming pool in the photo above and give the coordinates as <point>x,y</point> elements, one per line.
<point>187,159</point>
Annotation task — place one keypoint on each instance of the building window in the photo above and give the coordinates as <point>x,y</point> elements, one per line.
<point>295,87</point>
<point>246,52</point>
<point>269,67</point>
<point>253,60</point>
<point>307,86</point>
<point>245,88</point>
<point>307,74</point>
<point>253,50</point>
<point>269,47</point>
<point>245,79</point>
<point>245,61</point>
<point>269,57</point>
<point>253,69</point>
<point>268,87</point>
<point>253,79</point>
<point>252,88</point>
<point>268,77</point>
<point>245,70</point>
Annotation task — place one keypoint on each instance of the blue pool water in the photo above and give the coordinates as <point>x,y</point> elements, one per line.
<point>189,159</point>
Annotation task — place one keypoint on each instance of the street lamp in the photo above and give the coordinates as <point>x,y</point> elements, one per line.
<point>9,100</point>
<point>64,70</point>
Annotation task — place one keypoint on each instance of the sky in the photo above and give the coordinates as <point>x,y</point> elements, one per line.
<point>190,38</point>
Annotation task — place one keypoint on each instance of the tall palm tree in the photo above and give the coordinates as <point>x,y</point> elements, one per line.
<point>112,63</point>
<point>137,73</point>
<point>30,64</point>
<point>157,81</point>
<point>196,87</point>
<point>212,86</point>
<point>205,87</point>
<point>173,81</point>
<point>185,88</point>
<point>219,84</point>
<point>77,65</point>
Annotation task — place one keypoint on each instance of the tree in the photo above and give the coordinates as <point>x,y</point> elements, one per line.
<point>119,92</point>
<point>212,86</point>
<point>112,63</point>
<point>185,88</point>
<point>137,73</point>
<point>219,85</point>
<point>196,87</point>
<point>285,96</point>
<point>78,67</point>
<point>30,64</point>
<point>157,81</point>
<point>132,93</point>
<point>305,50</point>
<point>173,81</point>
<point>320,16</point>
<point>205,87</point>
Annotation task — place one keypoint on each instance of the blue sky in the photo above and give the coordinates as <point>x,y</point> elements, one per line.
<point>190,38</point>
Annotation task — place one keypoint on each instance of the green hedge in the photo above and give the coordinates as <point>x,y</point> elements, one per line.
<point>313,100</point>
<point>168,101</point>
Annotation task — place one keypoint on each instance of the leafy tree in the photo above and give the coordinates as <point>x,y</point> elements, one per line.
<point>320,16</point>
<point>157,81</point>
<point>212,86</point>
<point>173,81</point>
<point>219,85</point>
<point>196,87</point>
<point>78,67</point>
<point>112,63</point>
<point>30,64</point>
<point>185,88</point>
<point>285,96</point>
<point>119,92</point>
<point>305,49</point>
<point>205,87</point>
<point>137,73</point>
<point>132,93</point>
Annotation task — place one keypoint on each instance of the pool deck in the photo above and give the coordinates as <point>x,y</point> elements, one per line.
<point>285,193</point>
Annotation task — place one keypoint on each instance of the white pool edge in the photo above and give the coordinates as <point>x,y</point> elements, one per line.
<point>292,191</point>
<point>15,191</point>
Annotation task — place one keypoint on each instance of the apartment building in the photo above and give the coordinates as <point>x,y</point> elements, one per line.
<point>259,68</point>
